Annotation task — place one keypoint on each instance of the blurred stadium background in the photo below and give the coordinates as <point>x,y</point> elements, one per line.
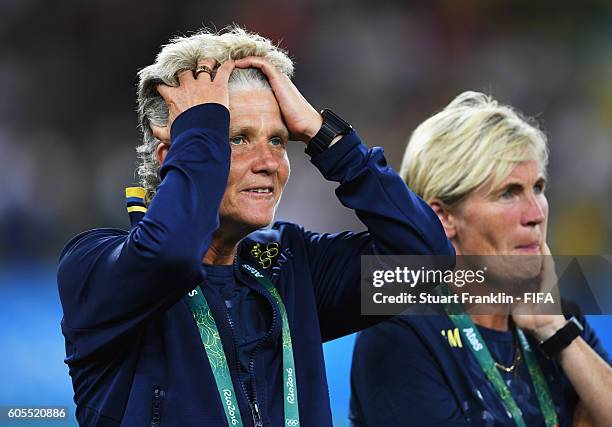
<point>68,126</point>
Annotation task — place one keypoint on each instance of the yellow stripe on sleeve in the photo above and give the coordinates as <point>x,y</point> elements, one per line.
<point>131,209</point>
<point>135,192</point>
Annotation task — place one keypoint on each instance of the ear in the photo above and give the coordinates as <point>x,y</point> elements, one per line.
<point>446,217</point>
<point>161,151</point>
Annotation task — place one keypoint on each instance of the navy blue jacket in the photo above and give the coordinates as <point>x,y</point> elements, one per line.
<point>133,349</point>
<point>412,371</point>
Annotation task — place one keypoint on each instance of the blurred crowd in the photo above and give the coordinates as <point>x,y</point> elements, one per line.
<point>68,73</point>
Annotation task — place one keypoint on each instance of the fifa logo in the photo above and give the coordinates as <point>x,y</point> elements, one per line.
<point>265,256</point>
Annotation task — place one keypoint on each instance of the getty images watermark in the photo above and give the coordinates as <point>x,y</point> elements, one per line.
<point>485,284</point>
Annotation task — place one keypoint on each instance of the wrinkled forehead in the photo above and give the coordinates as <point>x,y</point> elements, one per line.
<point>527,171</point>
<point>254,110</point>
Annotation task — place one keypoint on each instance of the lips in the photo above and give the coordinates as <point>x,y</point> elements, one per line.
<point>531,247</point>
<point>259,192</point>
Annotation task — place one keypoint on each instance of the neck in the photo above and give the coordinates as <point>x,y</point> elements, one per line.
<point>498,322</point>
<point>221,251</point>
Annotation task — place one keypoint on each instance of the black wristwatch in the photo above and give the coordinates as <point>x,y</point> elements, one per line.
<point>332,126</point>
<point>562,338</point>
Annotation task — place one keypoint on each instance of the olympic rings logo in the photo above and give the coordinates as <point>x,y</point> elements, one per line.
<point>265,256</point>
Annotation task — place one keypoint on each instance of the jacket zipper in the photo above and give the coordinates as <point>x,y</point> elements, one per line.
<point>252,402</point>
<point>257,419</point>
<point>256,415</point>
<point>158,398</point>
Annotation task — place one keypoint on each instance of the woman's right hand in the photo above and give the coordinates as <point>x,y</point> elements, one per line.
<point>542,319</point>
<point>193,91</point>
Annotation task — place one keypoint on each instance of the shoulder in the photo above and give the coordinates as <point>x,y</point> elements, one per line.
<point>83,251</point>
<point>89,239</point>
<point>405,341</point>
<point>410,333</point>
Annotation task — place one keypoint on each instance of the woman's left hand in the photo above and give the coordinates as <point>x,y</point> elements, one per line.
<point>302,120</point>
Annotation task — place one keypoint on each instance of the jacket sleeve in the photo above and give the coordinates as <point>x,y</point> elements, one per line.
<point>110,281</point>
<point>398,223</point>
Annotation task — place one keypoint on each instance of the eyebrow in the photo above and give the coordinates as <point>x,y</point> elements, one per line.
<point>513,185</point>
<point>245,130</point>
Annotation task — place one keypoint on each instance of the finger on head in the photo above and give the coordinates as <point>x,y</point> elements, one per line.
<point>162,133</point>
<point>260,63</point>
<point>184,76</point>
<point>163,90</point>
<point>255,61</point>
<point>209,62</point>
<point>206,63</point>
<point>249,61</point>
<point>224,71</point>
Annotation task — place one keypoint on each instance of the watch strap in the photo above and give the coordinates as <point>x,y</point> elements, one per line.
<point>333,125</point>
<point>562,338</point>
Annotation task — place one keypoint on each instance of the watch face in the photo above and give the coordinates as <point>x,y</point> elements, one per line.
<point>577,323</point>
<point>336,121</point>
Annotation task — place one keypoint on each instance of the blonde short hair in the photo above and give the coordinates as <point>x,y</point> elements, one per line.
<point>183,53</point>
<point>472,139</point>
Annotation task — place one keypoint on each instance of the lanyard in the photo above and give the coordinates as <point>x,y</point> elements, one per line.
<point>209,333</point>
<point>479,349</point>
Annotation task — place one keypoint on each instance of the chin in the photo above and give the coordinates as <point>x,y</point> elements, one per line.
<point>260,221</point>
<point>513,273</point>
<point>239,226</point>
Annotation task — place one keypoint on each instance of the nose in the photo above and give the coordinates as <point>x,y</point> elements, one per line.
<point>535,210</point>
<point>265,159</point>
